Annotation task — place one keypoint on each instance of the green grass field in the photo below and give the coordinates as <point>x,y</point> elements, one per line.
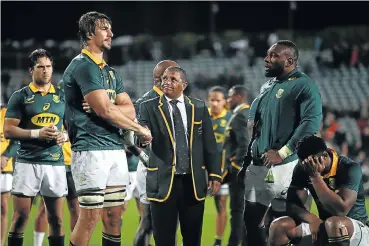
<point>130,223</point>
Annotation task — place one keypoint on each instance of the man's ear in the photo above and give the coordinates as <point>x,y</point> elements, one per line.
<point>184,85</point>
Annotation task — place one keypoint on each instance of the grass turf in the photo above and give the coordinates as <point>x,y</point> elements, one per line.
<point>130,224</point>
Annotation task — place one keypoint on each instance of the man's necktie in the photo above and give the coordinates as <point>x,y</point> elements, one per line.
<point>182,151</point>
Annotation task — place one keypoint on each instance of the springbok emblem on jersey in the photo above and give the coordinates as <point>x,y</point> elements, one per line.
<point>279,93</point>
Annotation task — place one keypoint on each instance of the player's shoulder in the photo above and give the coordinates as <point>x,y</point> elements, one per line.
<point>80,63</point>
<point>150,101</point>
<point>301,78</point>
<point>196,101</point>
<point>24,91</point>
<point>348,163</point>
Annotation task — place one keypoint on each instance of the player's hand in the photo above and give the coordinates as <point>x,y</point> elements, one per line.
<point>4,162</point>
<point>214,186</point>
<point>48,133</point>
<point>144,135</point>
<point>314,228</point>
<point>128,138</point>
<point>60,139</point>
<point>313,166</point>
<point>86,107</point>
<point>271,157</point>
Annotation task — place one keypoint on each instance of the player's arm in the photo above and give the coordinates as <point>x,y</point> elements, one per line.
<point>212,162</point>
<point>88,78</point>
<point>310,109</point>
<point>125,105</point>
<point>297,196</point>
<point>122,100</point>
<point>239,126</point>
<point>13,118</point>
<point>339,204</point>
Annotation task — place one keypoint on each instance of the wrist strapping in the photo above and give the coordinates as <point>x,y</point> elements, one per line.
<point>35,133</point>
<point>284,152</point>
<point>65,136</point>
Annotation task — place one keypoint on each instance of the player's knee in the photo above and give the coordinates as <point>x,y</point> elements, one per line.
<point>335,227</point>
<point>21,216</point>
<point>283,226</point>
<point>112,218</point>
<point>55,221</point>
<point>91,200</point>
<point>114,197</point>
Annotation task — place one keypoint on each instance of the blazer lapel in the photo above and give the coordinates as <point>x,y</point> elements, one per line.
<point>190,111</point>
<point>164,113</point>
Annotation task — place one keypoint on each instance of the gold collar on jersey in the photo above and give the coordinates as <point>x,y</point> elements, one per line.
<point>157,90</point>
<point>101,64</point>
<point>34,89</point>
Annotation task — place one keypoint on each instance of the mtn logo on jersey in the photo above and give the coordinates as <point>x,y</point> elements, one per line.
<point>45,119</point>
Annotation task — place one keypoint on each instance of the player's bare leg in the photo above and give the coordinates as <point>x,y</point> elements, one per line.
<point>282,231</point>
<point>21,211</point>
<point>40,224</point>
<point>4,215</point>
<point>74,209</point>
<point>112,215</point>
<point>339,230</point>
<point>54,208</point>
<point>221,217</point>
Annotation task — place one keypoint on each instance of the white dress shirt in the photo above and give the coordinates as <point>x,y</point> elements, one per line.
<point>182,109</point>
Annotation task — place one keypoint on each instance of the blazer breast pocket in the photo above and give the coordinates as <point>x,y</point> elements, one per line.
<point>198,126</point>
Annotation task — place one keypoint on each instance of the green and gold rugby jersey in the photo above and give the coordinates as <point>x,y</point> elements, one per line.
<point>219,123</point>
<point>87,131</point>
<point>344,172</point>
<point>35,110</point>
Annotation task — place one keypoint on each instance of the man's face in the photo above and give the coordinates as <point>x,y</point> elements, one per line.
<point>42,71</point>
<point>172,84</point>
<point>275,61</point>
<point>233,99</point>
<point>103,35</point>
<point>216,101</point>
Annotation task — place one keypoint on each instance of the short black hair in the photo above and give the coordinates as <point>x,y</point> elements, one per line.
<point>219,89</point>
<point>32,59</point>
<point>182,72</point>
<point>240,90</point>
<point>291,45</point>
<point>87,25</point>
<point>310,145</point>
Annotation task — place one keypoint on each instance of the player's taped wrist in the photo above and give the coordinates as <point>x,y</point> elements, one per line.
<point>284,152</point>
<point>35,133</point>
<point>66,138</point>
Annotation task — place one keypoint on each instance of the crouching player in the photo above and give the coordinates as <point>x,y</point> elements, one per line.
<point>335,183</point>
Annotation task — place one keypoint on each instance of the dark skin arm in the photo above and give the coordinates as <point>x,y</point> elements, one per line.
<point>296,199</point>
<point>338,204</point>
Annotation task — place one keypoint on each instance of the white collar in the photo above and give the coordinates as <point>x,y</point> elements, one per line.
<point>180,99</point>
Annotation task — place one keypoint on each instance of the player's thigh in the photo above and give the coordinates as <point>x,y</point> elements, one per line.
<point>360,235</point>
<point>118,173</point>
<point>54,182</point>
<point>27,179</point>
<point>6,180</point>
<point>90,170</point>
<point>132,187</point>
<point>255,185</point>
<point>72,192</point>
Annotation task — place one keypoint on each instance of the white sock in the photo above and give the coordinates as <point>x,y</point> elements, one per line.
<point>38,238</point>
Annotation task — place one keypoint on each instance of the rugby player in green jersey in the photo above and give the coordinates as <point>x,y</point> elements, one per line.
<point>35,116</point>
<point>335,183</point>
<point>288,108</point>
<point>217,100</point>
<point>99,164</point>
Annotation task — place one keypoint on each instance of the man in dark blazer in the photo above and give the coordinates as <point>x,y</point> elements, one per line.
<point>183,161</point>
<point>144,229</point>
<point>234,149</point>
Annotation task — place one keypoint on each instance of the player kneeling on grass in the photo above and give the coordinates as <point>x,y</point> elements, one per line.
<point>335,183</point>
